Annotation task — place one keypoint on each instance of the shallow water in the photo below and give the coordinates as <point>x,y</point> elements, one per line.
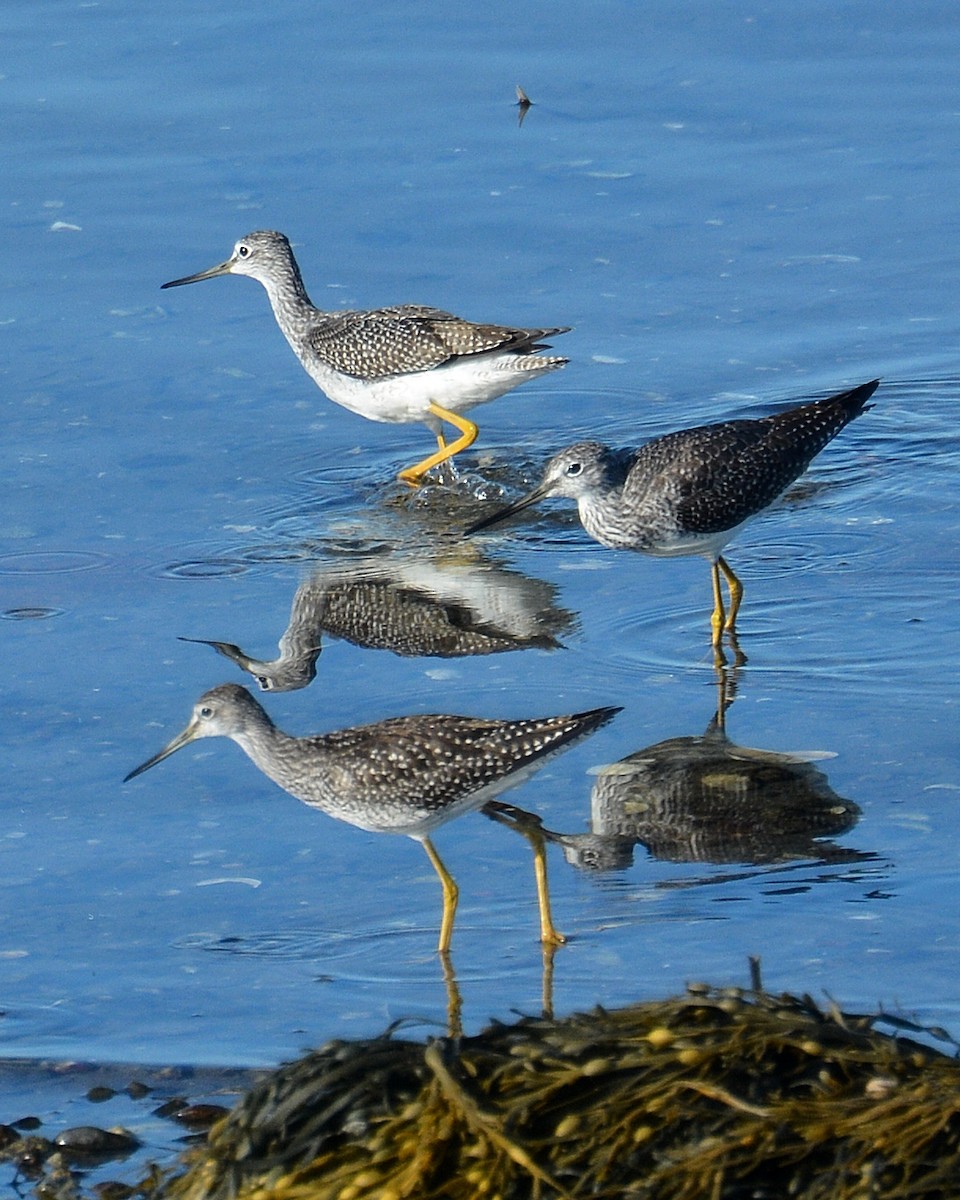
<point>734,208</point>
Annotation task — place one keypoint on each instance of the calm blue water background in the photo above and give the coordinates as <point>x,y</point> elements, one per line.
<point>734,205</point>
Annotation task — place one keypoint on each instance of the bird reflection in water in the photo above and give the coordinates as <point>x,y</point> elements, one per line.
<point>706,799</point>
<point>412,605</point>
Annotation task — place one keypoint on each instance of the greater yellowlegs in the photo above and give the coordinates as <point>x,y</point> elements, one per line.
<point>692,491</point>
<point>403,364</point>
<point>405,775</point>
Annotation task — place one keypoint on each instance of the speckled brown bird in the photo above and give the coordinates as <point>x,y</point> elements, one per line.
<point>692,491</point>
<point>403,364</point>
<point>405,775</point>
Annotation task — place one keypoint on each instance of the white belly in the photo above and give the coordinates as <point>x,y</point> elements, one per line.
<point>653,533</point>
<point>707,544</point>
<point>404,399</point>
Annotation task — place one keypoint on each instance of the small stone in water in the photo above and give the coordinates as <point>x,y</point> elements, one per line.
<point>110,1190</point>
<point>90,1140</point>
<point>171,1107</point>
<point>200,1115</point>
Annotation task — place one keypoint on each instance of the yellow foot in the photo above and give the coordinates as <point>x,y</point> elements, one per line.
<point>413,476</point>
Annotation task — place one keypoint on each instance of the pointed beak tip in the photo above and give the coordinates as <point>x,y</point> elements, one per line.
<point>180,282</point>
<point>227,649</point>
<point>140,769</point>
<point>182,739</point>
<point>486,522</point>
<point>504,514</point>
<point>475,528</point>
<point>211,273</point>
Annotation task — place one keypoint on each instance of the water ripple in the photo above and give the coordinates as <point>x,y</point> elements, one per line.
<point>789,638</point>
<point>329,946</point>
<point>203,568</point>
<point>34,613</point>
<point>51,562</point>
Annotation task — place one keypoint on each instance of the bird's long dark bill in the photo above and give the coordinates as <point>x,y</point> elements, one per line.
<point>227,649</point>
<point>171,747</point>
<point>509,511</point>
<point>211,273</point>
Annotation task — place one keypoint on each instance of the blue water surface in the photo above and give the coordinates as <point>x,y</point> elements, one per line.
<point>734,205</point>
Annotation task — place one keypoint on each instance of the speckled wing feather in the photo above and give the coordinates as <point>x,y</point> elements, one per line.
<point>428,762</point>
<point>720,475</point>
<point>386,616</point>
<point>410,337</point>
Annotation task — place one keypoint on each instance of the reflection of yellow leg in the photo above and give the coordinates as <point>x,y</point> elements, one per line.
<point>739,658</point>
<point>468,435</point>
<point>451,895</point>
<point>736,592</point>
<point>547,989</point>
<point>724,698</point>
<point>454,999</point>
<point>726,688</point>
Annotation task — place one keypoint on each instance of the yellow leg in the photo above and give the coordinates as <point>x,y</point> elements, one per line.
<point>549,934</point>
<point>716,619</point>
<point>451,894</point>
<point>529,825</point>
<point>736,592</point>
<point>468,435</point>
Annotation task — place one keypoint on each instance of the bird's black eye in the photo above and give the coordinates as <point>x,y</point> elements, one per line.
<point>206,712</point>
<point>242,251</point>
<point>264,682</point>
<point>574,468</point>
